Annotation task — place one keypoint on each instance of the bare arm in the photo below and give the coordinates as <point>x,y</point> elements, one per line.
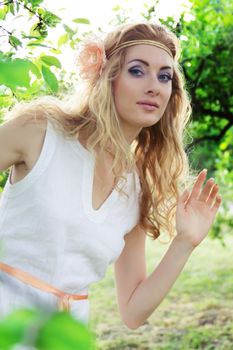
<point>11,144</point>
<point>17,137</point>
<point>130,272</point>
<point>138,295</point>
<point>146,293</point>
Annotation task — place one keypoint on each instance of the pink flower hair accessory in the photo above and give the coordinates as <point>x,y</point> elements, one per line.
<point>91,59</point>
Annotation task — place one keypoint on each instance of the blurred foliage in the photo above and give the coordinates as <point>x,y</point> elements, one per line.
<point>34,74</point>
<point>3,178</point>
<point>35,330</point>
<point>17,74</point>
<point>205,31</point>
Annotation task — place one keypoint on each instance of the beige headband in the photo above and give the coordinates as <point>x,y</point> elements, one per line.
<point>140,42</point>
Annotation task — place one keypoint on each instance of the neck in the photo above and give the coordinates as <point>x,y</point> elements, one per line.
<point>130,133</point>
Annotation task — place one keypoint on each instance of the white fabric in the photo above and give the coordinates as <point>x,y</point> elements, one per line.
<point>49,228</point>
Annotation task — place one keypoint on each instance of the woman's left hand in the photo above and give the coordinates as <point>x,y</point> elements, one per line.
<point>196,210</point>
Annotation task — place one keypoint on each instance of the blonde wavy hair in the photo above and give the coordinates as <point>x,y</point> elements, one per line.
<point>157,153</point>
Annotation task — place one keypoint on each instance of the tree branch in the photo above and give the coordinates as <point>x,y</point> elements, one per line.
<point>187,78</point>
<point>6,3</point>
<point>215,138</point>
<point>5,30</point>
<point>204,111</point>
<point>33,12</point>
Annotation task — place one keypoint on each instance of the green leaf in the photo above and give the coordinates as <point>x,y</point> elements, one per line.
<point>43,30</point>
<point>35,3</point>
<point>50,19</point>
<point>81,20</point>
<point>51,61</point>
<point>25,36</point>
<point>73,44</point>
<point>62,332</point>
<point>223,146</point>
<point>40,11</point>
<point>35,70</point>
<point>56,51</point>
<point>50,78</point>
<point>3,12</point>
<point>36,43</point>
<point>15,42</point>
<point>34,31</point>
<point>13,327</point>
<point>12,9</point>
<point>16,73</point>
<point>63,39</point>
<point>69,30</point>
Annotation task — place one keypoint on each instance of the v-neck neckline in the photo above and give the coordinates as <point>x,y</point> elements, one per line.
<point>88,172</point>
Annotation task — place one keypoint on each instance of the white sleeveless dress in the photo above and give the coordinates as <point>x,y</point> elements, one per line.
<point>49,228</point>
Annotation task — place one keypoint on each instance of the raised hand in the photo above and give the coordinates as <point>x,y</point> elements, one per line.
<point>196,210</point>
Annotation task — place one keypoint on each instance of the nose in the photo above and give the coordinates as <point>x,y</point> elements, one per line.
<point>152,87</point>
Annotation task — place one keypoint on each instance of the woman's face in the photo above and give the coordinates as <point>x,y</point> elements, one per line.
<point>143,88</point>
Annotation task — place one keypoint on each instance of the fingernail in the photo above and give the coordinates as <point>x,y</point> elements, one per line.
<point>204,171</point>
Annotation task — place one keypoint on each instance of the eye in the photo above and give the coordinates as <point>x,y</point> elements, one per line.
<point>135,71</point>
<point>165,77</point>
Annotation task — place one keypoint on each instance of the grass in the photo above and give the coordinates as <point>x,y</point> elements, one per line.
<point>196,314</point>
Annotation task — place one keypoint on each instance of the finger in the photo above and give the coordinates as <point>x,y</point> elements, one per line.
<point>212,196</point>
<point>198,185</point>
<point>217,203</point>
<point>183,198</point>
<point>206,190</point>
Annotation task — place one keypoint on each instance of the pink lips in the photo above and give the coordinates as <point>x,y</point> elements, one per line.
<point>147,105</point>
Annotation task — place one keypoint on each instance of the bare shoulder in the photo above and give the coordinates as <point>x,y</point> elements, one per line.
<point>34,133</point>
<point>20,138</point>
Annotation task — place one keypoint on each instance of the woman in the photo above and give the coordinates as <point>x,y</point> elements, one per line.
<point>90,179</point>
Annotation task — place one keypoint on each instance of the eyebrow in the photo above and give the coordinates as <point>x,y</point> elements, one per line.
<point>147,64</point>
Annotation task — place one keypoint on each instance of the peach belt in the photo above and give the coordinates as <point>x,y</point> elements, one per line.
<point>63,298</point>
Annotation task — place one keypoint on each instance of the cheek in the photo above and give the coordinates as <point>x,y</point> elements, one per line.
<point>121,91</point>
<point>166,98</point>
<point>167,94</point>
<point>121,86</point>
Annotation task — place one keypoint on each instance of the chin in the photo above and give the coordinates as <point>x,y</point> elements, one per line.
<point>151,122</point>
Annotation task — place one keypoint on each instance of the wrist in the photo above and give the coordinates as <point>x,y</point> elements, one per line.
<point>184,245</point>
